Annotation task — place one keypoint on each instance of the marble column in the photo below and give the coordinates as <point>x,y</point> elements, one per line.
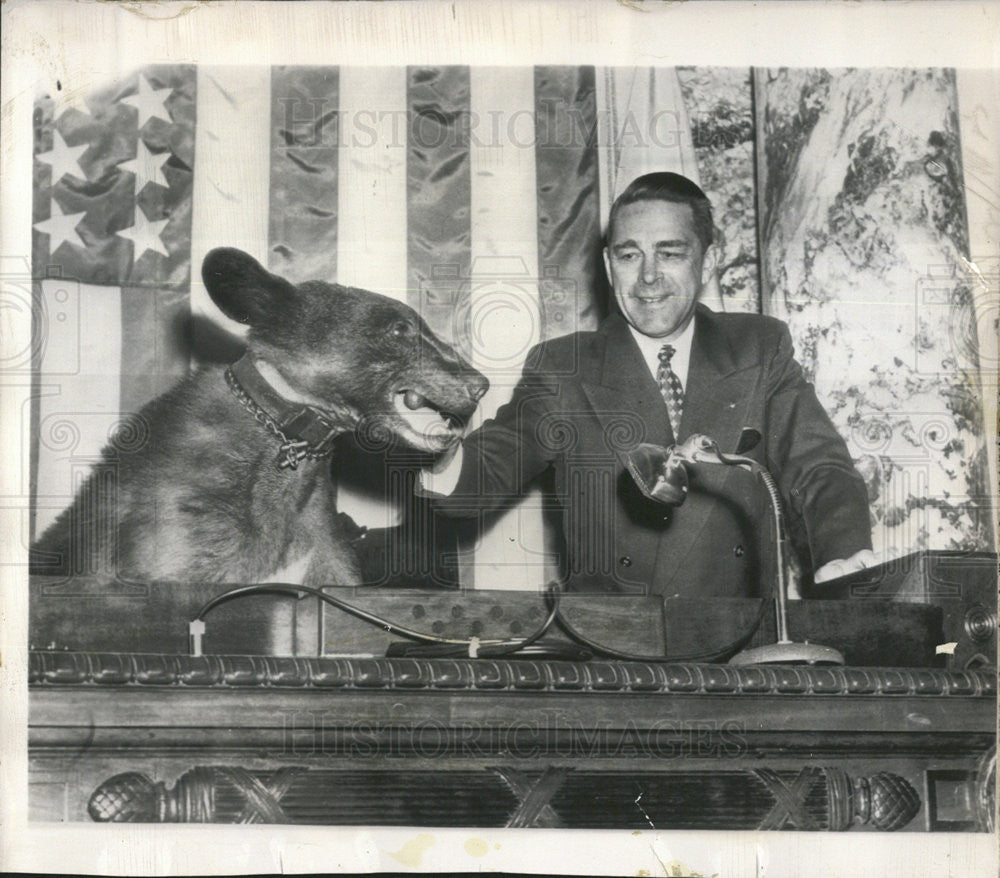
<point>720,111</point>
<point>864,248</point>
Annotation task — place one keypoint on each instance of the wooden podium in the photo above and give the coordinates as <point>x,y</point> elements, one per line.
<point>125,726</point>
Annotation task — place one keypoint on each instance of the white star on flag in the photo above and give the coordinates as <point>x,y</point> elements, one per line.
<point>146,166</point>
<point>64,159</point>
<point>145,235</point>
<point>61,227</point>
<point>149,102</point>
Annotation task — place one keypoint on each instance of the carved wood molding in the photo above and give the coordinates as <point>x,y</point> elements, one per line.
<point>230,671</point>
<point>985,799</point>
<point>812,798</point>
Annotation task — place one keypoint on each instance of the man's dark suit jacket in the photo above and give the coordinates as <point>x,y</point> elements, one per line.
<point>586,398</point>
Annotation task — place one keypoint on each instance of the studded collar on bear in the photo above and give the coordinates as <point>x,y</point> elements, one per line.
<point>304,431</point>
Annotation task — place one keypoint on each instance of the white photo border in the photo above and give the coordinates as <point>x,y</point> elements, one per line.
<point>92,41</point>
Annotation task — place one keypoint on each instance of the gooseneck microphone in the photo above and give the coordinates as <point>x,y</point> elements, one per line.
<point>662,475</point>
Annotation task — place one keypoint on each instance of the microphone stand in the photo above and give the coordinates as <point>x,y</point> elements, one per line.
<point>670,485</point>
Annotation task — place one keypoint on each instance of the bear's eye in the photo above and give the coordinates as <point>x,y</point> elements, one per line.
<point>400,329</point>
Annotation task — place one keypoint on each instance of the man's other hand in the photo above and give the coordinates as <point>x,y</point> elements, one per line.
<point>857,561</point>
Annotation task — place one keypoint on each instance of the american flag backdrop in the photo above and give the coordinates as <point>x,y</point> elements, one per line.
<point>474,194</point>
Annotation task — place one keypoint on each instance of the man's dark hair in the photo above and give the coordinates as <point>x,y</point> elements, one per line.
<point>666,186</point>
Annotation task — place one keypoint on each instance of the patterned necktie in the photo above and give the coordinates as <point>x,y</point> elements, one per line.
<point>670,387</point>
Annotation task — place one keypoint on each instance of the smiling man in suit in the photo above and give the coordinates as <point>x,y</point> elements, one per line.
<point>659,369</point>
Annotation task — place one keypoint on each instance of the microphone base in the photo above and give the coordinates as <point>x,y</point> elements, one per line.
<point>787,653</point>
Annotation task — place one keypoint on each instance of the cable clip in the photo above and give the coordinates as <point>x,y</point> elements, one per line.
<point>474,648</point>
<point>196,628</point>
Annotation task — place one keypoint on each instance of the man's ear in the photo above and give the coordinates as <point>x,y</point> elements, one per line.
<point>243,289</point>
<point>607,266</point>
<point>709,263</point>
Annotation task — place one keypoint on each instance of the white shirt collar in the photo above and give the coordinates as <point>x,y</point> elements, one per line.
<point>650,349</point>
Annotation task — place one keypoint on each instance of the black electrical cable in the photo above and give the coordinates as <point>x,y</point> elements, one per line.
<point>715,655</point>
<point>497,652</point>
<point>528,647</point>
<point>485,648</point>
<point>488,648</point>
<point>551,650</point>
<point>738,643</point>
<point>712,656</point>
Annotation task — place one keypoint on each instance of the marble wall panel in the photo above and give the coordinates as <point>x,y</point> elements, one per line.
<point>864,245</point>
<point>720,112</point>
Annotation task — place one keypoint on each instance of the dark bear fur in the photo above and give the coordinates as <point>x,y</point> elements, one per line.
<point>200,496</point>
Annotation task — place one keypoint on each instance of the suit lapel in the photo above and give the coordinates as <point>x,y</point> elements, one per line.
<point>622,383</point>
<point>717,399</point>
<point>621,390</point>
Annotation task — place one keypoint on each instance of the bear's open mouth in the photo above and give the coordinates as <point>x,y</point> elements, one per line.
<point>427,423</point>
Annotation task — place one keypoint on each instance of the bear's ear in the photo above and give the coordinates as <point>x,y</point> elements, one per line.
<point>243,289</point>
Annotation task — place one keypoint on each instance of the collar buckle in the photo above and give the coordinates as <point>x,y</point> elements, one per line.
<point>309,424</point>
<point>303,431</point>
<point>291,452</point>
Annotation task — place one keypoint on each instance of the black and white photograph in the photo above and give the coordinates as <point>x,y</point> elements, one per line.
<point>428,422</point>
